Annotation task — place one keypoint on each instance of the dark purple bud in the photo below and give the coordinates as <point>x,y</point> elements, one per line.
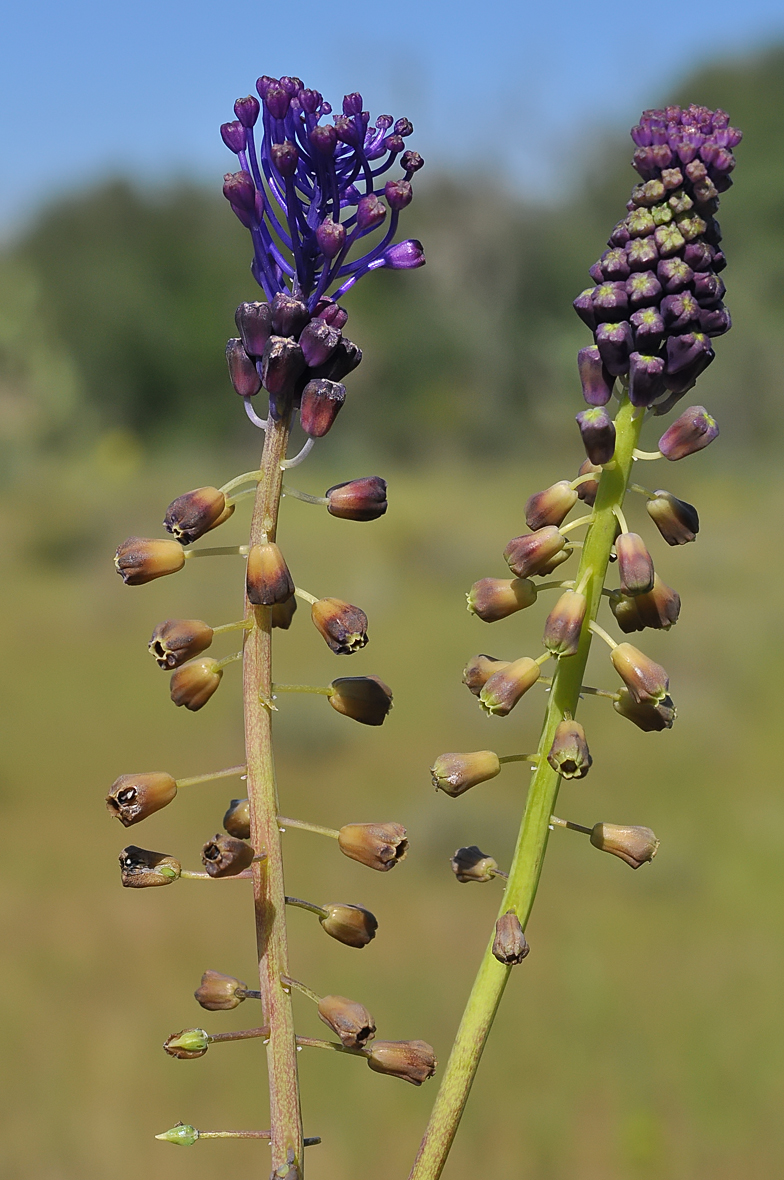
<point>289,315</point>
<point>370,212</point>
<point>404,127</point>
<point>598,434</point>
<point>669,240</point>
<point>404,255</point>
<point>240,191</point>
<point>610,301</point>
<point>291,85</point>
<point>343,361</point>
<point>708,289</point>
<point>394,144</point>
<point>683,350</point>
<point>398,193</point>
<point>641,134</point>
<point>713,233</point>
<point>285,157</point>
<point>321,401</point>
<point>247,110</point>
<point>661,156</point>
<point>352,103</point>
<point>346,130</point>
<point>613,266</point>
<point>597,383</point>
<point>614,342</point>
<point>323,138</point>
<point>281,365</point>
<point>583,305</point>
<point>233,135</point>
<point>254,324</point>
<point>411,161</point>
<point>318,340</point>
<point>644,162</point>
<point>715,321</point>
<point>698,255</point>
<point>331,237</point>
<point>359,499</point>
<point>242,370</point>
<point>333,313</point>
<point>674,275</point>
<point>688,434</point>
<point>384,122</point>
<point>646,379</point>
<point>677,521</point>
<point>551,506</point>
<point>620,235</point>
<point>641,253</point>
<point>680,312</point>
<point>310,101</point>
<point>527,554</point>
<point>684,380</point>
<point>719,261</point>
<point>276,100</point>
<point>634,564</point>
<point>643,289</point>
<point>563,625</point>
<point>648,330</point>
<point>263,84</point>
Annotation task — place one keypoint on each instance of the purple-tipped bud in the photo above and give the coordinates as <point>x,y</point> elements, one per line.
<point>550,506</point>
<point>333,313</point>
<point>613,266</point>
<point>268,579</point>
<point>503,689</point>
<point>370,212</point>
<point>359,499</point>
<point>471,864</point>
<point>691,432</point>
<point>597,383</point>
<point>658,609</point>
<point>598,434</point>
<point>614,342</point>
<point>331,237</point>
<point>583,305</point>
<point>491,599</point>
<point>343,361</point>
<point>679,312</point>
<point>674,275</point>
<point>698,255</point>
<point>648,328</point>
<point>341,625</point>
<point>509,943</point>
<point>669,240</point>
<point>478,671</point>
<point>588,488</point>
<point>177,640</point>
<point>321,401</point>
<point>569,753</point>
<point>646,379</point>
<point>619,236</point>
<point>708,289</point>
<point>285,157</point>
<point>323,139</point>
<point>529,553</point>
<point>281,364</point>
<point>254,324</point>
<point>454,774</point>
<point>234,136</point>
<point>398,193</point>
<point>646,680</point>
<point>309,100</point>
<point>289,315</point>
<point>564,623</point>
<point>193,683</point>
<point>242,370</point>
<point>640,223</point>
<point>276,100</point>
<point>634,564</point>
<point>715,321</point>
<point>647,717</point>
<point>240,191</point>
<point>412,161</point>
<point>643,289</point>
<point>610,301</point>
<point>142,559</point>
<point>352,103</point>
<point>641,254</point>
<point>318,340</point>
<point>247,110</point>
<point>406,255</point>
<point>363,698</point>
<point>193,514</point>
<point>677,521</point>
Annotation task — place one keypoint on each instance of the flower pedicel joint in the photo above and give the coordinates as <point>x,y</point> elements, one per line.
<point>654,311</point>
<point>321,199</point>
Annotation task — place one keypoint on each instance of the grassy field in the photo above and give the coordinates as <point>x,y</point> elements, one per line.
<point>641,1038</point>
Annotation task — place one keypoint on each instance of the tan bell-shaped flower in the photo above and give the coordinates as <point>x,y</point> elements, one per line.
<point>411,1061</point>
<point>379,846</point>
<point>456,773</point>
<point>634,845</point>
<point>348,1020</point>
<point>352,925</point>
<point>135,796</point>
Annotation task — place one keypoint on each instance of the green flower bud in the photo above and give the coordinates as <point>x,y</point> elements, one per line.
<point>190,1043</point>
<point>181,1133</point>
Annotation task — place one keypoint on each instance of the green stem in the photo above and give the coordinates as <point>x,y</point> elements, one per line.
<point>532,841</point>
<point>229,772</point>
<point>269,895</point>
<point>287,822</point>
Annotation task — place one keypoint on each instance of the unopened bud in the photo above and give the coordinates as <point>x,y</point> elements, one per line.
<point>634,845</point>
<point>550,506</point>
<point>352,925</point>
<point>268,578</point>
<point>318,340</point>
<point>344,627</point>
<point>690,433</point>
<point>225,856</point>
<point>478,671</point>
<point>359,499</point>
<point>527,554</point>
<point>411,1061</point>
<point>343,361</point>
<point>648,717</point>
<point>281,365</point>
<point>564,624</point>
<point>588,488</point>
<point>364,698</point>
<point>142,869</point>
<point>321,401</point>
<point>597,383</point>
<point>504,689</point>
<point>348,1020</point>
<point>379,846</point>
<point>634,564</point>
<point>659,609</point>
<point>281,613</point>
<point>188,1044</point>
<point>135,796</point>
<point>177,640</point>
<point>597,430</point>
<point>677,521</point>
<point>254,324</point>
<point>492,599</point>
<point>219,993</point>
<point>456,773</point>
<point>471,864</point>
<point>242,369</point>
<point>646,680</point>
<point>192,515</point>
<point>509,945</point>
<point>569,753</point>
<point>236,821</point>
<point>141,559</point>
<point>193,684</point>
<point>183,1134</point>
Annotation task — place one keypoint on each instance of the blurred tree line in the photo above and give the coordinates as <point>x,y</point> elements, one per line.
<point>115,304</point>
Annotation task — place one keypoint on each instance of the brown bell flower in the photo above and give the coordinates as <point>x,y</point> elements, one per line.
<point>646,716</point>
<point>528,554</point>
<point>412,1061</point>
<point>321,400</point>
<point>142,869</point>
<point>646,680</point>
<point>177,640</point>
<point>677,521</point>
<point>225,856</point>
<point>349,924</point>
<point>135,796</point>
<point>142,559</point>
<point>471,864</point>
<point>192,515</point>
<point>364,698</point>
<point>563,627</point>
<point>634,845</point>
<point>659,609</point>
<point>220,993</point>
<point>478,671</point>
<point>509,945</point>
<point>348,1020</point>
<point>634,564</point>
<point>569,753</point>
<point>193,684</point>
<point>379,846</point>
<point>236,821</point>
<point>504,689</point>
<point>283,612</point>
<point>188,1044</point>
<point>456,773</point>
<point>344,627</point>
<point>588,489</point>
<point>491,599</point>
<point>268,578</point>
<point>551,506</point>
<point>359,499</point>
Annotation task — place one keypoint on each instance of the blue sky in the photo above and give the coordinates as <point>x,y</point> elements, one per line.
<point>89,86</point>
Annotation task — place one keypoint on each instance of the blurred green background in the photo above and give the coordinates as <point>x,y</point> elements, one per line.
<point>642,1036</point>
